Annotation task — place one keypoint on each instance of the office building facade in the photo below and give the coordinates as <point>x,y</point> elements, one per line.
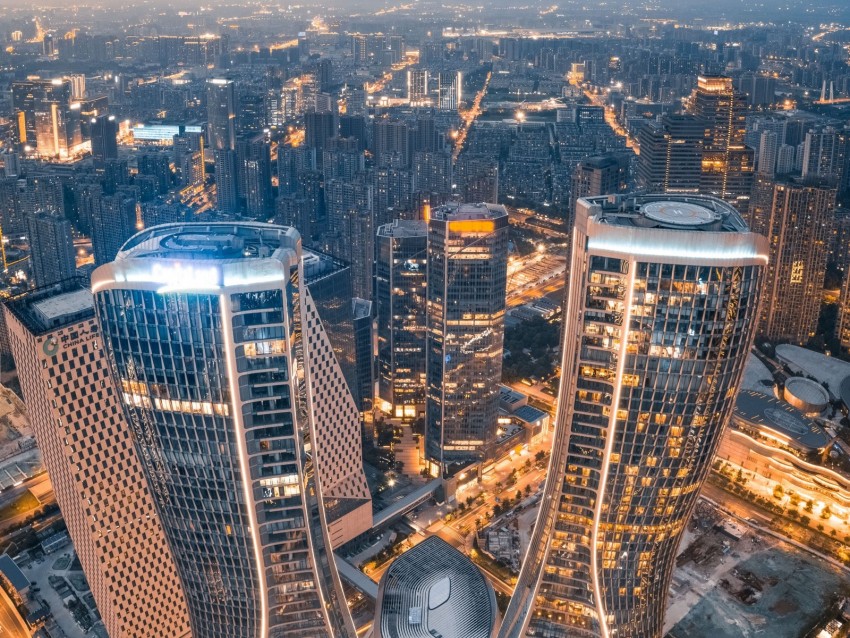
<point>221,114</point>
<point>466,281</point>
<point>238,408</point>
<point>52,257</point>
<point>88,451</point>
<point>660,317</point>
<point>400,294</point>
<point>727,163</point>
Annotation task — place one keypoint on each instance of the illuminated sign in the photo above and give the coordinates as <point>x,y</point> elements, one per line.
<point>185,277</point>
<point>472,226</point>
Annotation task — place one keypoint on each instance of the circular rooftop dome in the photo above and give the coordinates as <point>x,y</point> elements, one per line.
<point>685,214</point>
<point>806,395</point>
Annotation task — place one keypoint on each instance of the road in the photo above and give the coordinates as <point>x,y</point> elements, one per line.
<point>40,488</point>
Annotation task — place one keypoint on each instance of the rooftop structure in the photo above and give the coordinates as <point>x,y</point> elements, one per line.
<point>432,590</point>
<point>775,419</point>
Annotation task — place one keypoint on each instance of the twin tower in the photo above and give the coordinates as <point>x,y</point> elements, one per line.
<point>249,442</point>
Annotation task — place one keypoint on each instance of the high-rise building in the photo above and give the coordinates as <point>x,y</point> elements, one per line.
<point>727,164</point>
<point>52,255</point>
<point>826,153</point>
<point>319,128</point>
<point>46,116</point>
<point>466,280</point>
<point>670,159</point>
<point>797,217</point>
<point>88,450</point>
<point>660,317</point>
<point>359,48</point>
<point>104,139</point>
<point>243,419</point>
<point>843,324</point>
<point>221,114</point>
<point>477,178</point>
<point>606,174</point>
<point>226,181</point>
<point>113,222</point>
<point>449,90</point>
<point>400,293</point>
<point>417,87</point>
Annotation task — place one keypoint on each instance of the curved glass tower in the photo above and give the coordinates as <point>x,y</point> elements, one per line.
<point>203,326</point>
<point>661,313</point>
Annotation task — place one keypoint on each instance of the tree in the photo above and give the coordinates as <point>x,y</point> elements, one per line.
<point>528,489</point>
<point>809,506</point>
<point>540,456</point>
<point>826,513</point>
<point>518,496</point>
<point>778,492</point>
<point>805,520</point>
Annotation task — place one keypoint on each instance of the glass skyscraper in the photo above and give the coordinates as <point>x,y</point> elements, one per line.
<point>467,275</point>
<point>400,268</point>
<point>218,353</point>
<point>660,316</point>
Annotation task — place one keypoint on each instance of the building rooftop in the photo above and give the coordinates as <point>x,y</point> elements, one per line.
<point>667,211</point>
<point>454,211</point>
<point>47,309</point>
<point>404,228</point>
<point>779,420</point>
<point>13,574</point>
<point>434,591</point>
<point>825,369</point>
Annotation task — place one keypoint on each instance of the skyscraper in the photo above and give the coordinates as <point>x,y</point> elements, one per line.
<point>52,256</point>
<point>226,181</point>
<point>660,317</point>
<point>670,158</point>
<point>221,114</point>
<point>104,139</point>
<point>449,90</point>
<point>400,292</point>
<point>113,222</point>
<point>46,116</point>
<point>606,174</point>
<point>417,87</point>
<point>88,450</point>
<point>797,217</point>
<point>242,418</point>
<point>727,164</point>
<point>466,280</point>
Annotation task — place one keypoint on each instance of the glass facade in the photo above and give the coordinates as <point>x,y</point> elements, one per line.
<point>467,274</point>
<point>400,272</point>
<point>654,351</point>
<point>212,383</point>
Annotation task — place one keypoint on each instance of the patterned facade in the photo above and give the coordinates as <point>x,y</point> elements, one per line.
<point>212,336</point>
<point>661,314</point>
<point>94,468</point>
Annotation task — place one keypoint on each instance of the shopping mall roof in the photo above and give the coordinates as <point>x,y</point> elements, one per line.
<point>778,420</point>
<point>433,590</point>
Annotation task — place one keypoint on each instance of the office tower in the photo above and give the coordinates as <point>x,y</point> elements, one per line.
<point>242,418</point>
<point>397,48</point>
<point>226,182</point>
<point>466,278</point>
<point>221,114</point>
<point>670,159</point>
<point>359,48</point>
<point>104,139</point>
<point>319,128</point>
<point>797,218</point>
<point>358,249</point>
<point>94,469</point>
<point>606,174</point>
<point>435,590</point>
<point>449,90</point>
<point>400,295</point>
<point>292,164</point>
<point>826,153</point>
<point>78,86</point>
<point>361,317</point>
<point>477,178</point>
<point>417,87</point>
<point>727,164</point>
<point>52,256</point>
<point>393,194</point>
<point>46,116</point>
<point>113,222</point>
<point>660,317</point>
